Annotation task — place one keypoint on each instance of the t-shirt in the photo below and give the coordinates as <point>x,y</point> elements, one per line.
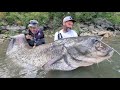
<point>69,33</point>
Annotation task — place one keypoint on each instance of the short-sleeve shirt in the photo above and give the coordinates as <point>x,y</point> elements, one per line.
<point>69,33</point>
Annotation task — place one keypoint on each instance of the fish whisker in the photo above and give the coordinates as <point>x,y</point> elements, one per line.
<point>109,61</point>
<point>97,65</point>
<point>111,48</point>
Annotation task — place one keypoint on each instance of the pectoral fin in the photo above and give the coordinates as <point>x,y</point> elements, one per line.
<point>50,62</point>
<point>11,44</point>
<point>74,53</point>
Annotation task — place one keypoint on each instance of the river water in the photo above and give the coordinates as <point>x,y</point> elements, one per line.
<point>105,69</point>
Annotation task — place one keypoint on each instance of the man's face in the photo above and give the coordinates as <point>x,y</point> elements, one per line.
<point>68,24</point>
<point>33,29</point>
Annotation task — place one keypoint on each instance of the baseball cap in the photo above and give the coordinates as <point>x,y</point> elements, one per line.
<point>68,18</point>
<point>33,23</point>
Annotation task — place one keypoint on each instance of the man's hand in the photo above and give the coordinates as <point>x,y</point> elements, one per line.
<point>34,46</point>
<point>28,37</point>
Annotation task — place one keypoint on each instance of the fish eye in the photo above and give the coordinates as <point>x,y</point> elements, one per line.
<point>95,41</point>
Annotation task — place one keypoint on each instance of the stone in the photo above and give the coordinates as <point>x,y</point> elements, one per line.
<point>1,41</point>
<point>91,27</point>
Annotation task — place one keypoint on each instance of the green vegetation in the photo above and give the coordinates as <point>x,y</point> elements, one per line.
<point>54,19</point>
<point>22,18</point>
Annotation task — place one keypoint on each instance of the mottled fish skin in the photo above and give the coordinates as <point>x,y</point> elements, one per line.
<point>66,54</point>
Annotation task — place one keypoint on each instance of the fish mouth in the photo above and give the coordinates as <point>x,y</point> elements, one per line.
<point>103,49</point>
<point>99,58</point>
<point>105,53</point>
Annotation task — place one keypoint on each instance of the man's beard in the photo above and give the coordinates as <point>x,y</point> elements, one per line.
<point>67,28</point>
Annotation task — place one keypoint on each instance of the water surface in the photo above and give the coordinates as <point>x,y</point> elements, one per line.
<point>104,69</point>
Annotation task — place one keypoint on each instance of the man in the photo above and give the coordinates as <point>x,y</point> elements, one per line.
<point>67,31</point>
<point>34,35</point>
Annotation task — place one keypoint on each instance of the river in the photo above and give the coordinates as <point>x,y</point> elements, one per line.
<point>105,69</point>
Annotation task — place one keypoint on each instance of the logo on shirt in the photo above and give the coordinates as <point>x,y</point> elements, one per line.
<point>39,34</point>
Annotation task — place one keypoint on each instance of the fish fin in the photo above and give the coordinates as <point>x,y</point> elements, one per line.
<point>11,44</point>
<point>73,52</point>
<point>50,62</point>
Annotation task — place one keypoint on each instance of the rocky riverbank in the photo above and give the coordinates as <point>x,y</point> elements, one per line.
<point>99,26</point>
<point>3,37</point>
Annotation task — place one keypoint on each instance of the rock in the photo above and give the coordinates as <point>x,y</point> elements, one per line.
<point>3,31</point>
<point>94,32</point>
<point>91,28</point>
<point>117,27</point>
<point>87,23</point>
<point>13,27</point>
<point>85,29</point>
<point>99,27</point>
<point>105,33</point>
<point>110,29</point>
<point>2,36</point>
<point>82,25</point>
<point>110,33</point>
<point>103,23</point>
<point>86,34</point>
<point>117,32</point>
<point>3,28</point>
<point>1,41</point>
<point>101,33</point>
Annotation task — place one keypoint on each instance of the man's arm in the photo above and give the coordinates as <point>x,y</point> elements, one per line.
<point>41,34</point>
<point>27,36</point>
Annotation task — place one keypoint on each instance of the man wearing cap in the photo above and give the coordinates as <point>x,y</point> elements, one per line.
<point>34,35</point>
<point>67,31</point>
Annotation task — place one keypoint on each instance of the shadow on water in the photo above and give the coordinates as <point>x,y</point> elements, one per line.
<point>104,69</point>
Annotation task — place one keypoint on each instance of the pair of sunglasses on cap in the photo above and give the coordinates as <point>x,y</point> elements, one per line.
<point>33,22</point>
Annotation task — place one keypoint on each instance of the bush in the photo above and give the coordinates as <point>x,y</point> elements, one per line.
<point>54,19</point>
